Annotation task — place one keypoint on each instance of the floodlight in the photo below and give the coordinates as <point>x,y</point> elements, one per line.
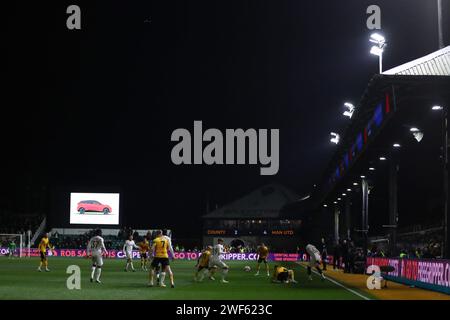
<point>334,137</point>
<point>376,51</point>
<point>350,109</point>
<point>377,38</point>
<point>418,136</point>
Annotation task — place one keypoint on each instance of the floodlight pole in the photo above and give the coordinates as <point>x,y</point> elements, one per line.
<point>337,212</point>
<point>365,214</point>
<point>347,218</point>
<point>440,24</point>
<point>393,201</point>
<point>446,195</point>
<point>380,59</point>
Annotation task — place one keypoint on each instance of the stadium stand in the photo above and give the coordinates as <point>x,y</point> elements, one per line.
<point>13,223</point>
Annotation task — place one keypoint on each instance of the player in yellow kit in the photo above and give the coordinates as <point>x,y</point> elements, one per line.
<point>263,254</point>
<point>203,264</point>
<point>160,248</point>
<point>43,245</point>
<point>282,274</point>
<point>144,247</point>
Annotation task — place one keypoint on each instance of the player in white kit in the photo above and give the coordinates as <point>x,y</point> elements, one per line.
<point>216,261</point>
<point>128,251</point>
<point>315,258</point>
<point>95,249</point>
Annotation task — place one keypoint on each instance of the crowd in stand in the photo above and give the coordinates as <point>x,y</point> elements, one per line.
<point>412,247</point>
<point>111,242</point>
<point>19,224</point>
<point>81,241</point>
<point>426,245</point>
<point>348,256</point>
<point>345,254</point>
<point>431,250</point>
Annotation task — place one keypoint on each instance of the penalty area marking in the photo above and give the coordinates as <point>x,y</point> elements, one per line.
<point>338,284</point>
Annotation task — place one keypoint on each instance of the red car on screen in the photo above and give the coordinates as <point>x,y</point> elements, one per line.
<point>92,206</point>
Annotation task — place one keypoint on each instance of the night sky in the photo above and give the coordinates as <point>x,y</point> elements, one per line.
<point>95,108</point>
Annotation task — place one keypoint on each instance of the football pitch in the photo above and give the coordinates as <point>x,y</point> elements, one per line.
<point>20,280</point>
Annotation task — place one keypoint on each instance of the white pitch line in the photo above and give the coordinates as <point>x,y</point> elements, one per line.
<point>338,284</point>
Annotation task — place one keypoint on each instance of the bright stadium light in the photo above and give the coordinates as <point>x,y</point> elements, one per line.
<point>334,137</point>
<point>339,199</point>
<point>335,202</point>
<point>418,136</point>
<point>383,158</point>
<point>349,190</point>
<point>362,177</point>
<point>414,129</point>
<point>325,205</point>
<point>355,184</point>
<point>396,145</point>
<point>436,108</point>
<point>377,38</point>
<point>372,169</point>
<point>350,109</point>
<point>376,51</point>
<point>378,48</point>
<point>344,194</point>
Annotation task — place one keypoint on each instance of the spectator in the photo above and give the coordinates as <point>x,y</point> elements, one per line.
<point>324,254</point>
<point>350,257</point>
<point>345,248</point>
<point>337,255</point>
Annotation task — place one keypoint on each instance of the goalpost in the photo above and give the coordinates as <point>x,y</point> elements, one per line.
<point>13,242</point>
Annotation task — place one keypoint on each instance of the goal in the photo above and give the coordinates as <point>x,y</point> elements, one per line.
<point>12,245</point>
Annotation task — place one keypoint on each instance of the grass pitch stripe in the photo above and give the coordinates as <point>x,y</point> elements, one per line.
<point>339,284</point>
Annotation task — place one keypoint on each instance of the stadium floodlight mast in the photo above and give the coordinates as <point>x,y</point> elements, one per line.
<point>350,109</point>
<point>334,137</point>
<point>378,48</point>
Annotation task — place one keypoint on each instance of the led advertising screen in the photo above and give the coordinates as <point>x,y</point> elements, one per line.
<point>94,208</point>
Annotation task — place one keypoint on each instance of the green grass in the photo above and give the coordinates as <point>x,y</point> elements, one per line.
<point>20,280</point>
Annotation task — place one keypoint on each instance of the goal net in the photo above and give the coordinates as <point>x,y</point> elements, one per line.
<point>12,245</point>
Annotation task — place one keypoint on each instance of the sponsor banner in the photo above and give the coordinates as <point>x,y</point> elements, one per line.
<point>118,254</point>
<point>4,251</point>
<point>424,273</point>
